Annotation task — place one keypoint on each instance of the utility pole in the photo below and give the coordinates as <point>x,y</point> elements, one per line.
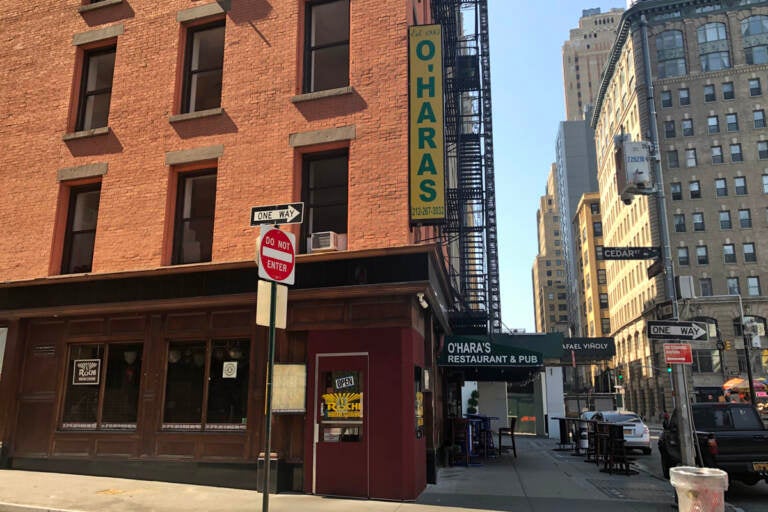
<point>687,447</point>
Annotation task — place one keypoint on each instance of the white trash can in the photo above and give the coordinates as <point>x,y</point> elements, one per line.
<point>699,489</point>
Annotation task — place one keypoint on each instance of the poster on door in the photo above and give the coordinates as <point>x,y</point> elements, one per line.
<point>342,405</point>
<point>86,372</point>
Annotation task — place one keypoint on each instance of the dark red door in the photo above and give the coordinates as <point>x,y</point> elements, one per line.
<point>341,425</point>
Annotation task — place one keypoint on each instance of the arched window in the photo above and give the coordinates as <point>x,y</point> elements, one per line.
<point>713,47</point>
<point>670,54</point>
<point>753,30</point>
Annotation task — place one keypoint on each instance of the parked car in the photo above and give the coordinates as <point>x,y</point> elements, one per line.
<point>636,433</point>
<point>730,435</point>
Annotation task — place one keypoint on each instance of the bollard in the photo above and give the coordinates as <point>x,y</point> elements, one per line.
<point>699,489</point>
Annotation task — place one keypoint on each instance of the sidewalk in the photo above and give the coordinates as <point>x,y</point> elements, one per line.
<point>539,480</point>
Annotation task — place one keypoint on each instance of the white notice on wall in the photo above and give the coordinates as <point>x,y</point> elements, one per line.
<point>229,370</point>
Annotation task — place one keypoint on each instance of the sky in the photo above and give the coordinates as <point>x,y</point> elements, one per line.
<point>527,99</point>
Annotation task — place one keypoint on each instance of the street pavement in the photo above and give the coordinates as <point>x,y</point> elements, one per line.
<point>540,479</point>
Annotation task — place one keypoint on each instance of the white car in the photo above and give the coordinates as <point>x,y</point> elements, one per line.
<point>636,433</point>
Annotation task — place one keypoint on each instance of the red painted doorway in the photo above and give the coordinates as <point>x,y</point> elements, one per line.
<point>341,425</point>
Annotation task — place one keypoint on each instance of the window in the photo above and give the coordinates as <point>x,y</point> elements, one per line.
<point>753,286</point>
<point>682,256</point>
<point>203,68</point>
<point>102,386</point>
<point>725,219</point>
<point>706,361</point>
<point>754,87</point>
<point>749,252</point>
<point>594,208</point>
<point>676,190</point>
<point>736,155</point>
<point>740,185</point>
<point>732,122</point>
<point>597,228</point>
<point>721,187</point>
<point>326,63</point>
<point>666,99</point>
<point>687,127</point>
<point>753,31</point>
<point>732,284</point>
<point>605,325</point>
<point>729,253</point>
<point>326,193</point>
<point>758,116</point>
<point>698,221</point>
<point>728,93</point>
<point>711,55</point>
<point>705,285</point>
<point>81,229</point>
<point>694,188</point>
<point>672,160</point>
<point>96,88</point>
<point>195,207</point>
<point>713,124</point>
<point>670,54</point>
<point>765,183</point>
<point>702,255</point>
<point>762,150</point>
<point>601,276</point>
<point>717,154</point>
<point>709,92</point>
<point>684,97</point>
<point>603,301</point>
<point>745,218</point>
<point>679,220</point>
<point>669,129</point>
<point>690,158</point>
<point>206,385</point>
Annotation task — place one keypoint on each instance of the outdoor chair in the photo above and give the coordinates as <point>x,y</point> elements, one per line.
<point>510,431</point>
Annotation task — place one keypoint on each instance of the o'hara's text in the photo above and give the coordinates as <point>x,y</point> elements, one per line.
<point>470,352</point>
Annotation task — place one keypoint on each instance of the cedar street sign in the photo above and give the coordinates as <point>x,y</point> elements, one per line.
<point>671,330</point>
<point>631,253</point>
<point>290,213</point>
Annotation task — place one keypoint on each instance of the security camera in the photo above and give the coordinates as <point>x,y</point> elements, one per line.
<point>627,198</point>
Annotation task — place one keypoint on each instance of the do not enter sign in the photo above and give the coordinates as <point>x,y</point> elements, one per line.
<point>277,255</point>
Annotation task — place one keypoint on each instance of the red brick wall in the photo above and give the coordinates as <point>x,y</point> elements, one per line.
<point>262,72</point>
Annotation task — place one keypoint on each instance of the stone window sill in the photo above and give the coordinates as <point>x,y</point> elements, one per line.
<point>329,93</point>
<point>84,134</point>
<point>97,5</point>
<point>179,118</point>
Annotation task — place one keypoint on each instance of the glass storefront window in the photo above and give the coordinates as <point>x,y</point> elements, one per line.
<point>103,383</point>
<point>224,365</point>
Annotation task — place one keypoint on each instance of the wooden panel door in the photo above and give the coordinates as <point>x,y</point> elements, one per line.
<point>341,425</point>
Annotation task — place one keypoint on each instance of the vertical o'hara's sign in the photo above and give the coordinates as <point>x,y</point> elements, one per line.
<point>427,147</point>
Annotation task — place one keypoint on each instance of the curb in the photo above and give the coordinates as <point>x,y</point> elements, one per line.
<point>14,507</point>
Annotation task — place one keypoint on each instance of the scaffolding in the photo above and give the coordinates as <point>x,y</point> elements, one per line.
<point>470,229</point>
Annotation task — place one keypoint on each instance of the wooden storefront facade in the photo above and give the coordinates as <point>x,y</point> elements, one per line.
<point>161,374</point>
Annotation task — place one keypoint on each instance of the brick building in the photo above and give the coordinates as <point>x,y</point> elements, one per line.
<point>137,137</point>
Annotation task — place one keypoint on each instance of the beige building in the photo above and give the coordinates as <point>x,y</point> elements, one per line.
<point>709,69</point>
<point>584,56</point>
<point>548,274</point>
<point>593,282</point>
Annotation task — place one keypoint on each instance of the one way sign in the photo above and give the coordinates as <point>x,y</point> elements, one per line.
<point>290,213</point>
<point>669,330</point>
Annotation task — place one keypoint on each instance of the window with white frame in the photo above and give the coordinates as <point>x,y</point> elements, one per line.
<point>758,117</point>
<point>717,154</point>
<point>736,155</point>
<point>740,185</point>
<point>753,286</point>
<point>725,219</point>
<point>748,250</point>
<point>732,122</point>
<point>690,157</point>
<point>698,221</point>
<point>713,124</point>
<point>721,187</point>
<point>745,218</point>
<point>729,253</point>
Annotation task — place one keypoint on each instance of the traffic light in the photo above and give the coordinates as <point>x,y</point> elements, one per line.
<point>620,375</point>
<point>669,368</point>
<point>728,345</point>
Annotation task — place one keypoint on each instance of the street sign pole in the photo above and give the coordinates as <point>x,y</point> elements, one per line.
<point>268,402</point>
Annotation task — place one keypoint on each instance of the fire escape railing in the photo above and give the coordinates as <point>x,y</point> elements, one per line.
<point>471,220</point>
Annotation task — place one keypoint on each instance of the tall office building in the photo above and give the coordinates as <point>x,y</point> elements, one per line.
<point>548,274</point>
<point>708,72</point>
<point>584,56</point>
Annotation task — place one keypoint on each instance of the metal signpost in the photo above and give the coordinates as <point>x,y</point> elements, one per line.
<point>277,263</point>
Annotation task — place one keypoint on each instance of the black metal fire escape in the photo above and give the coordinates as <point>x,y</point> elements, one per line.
<point>470,229</point>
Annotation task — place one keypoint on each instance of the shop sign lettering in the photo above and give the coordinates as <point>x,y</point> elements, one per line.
<point>343,405</point>
<point>86,372</point>
<point>345,382</point>
<point>486,353</point>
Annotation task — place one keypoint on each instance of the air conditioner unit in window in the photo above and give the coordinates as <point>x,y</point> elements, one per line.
<point>324,241</point>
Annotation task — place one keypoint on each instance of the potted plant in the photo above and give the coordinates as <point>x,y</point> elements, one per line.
<point>472,402</point>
